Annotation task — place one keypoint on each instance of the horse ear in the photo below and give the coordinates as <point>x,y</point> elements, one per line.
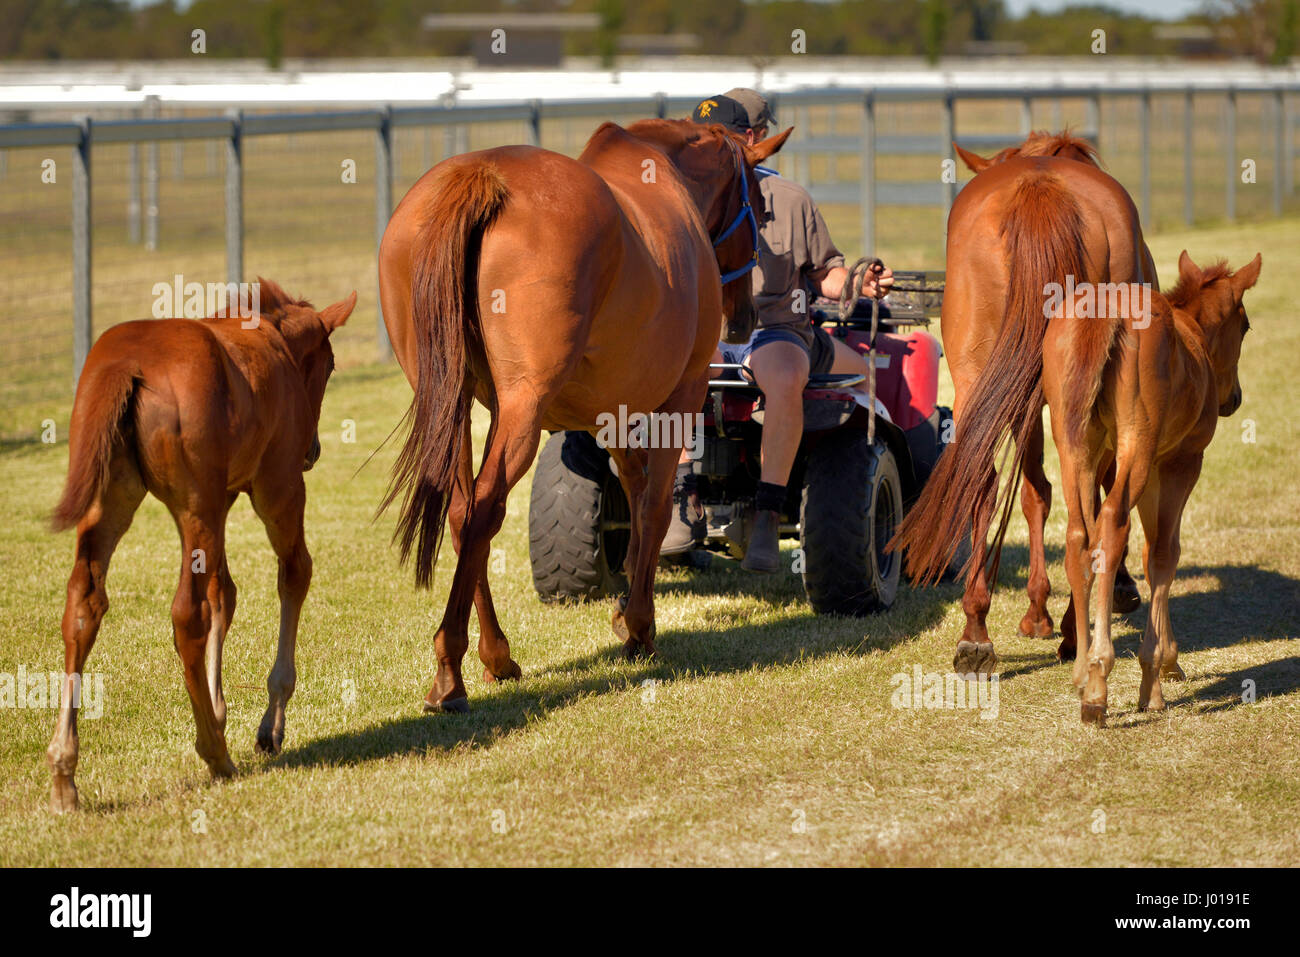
<point>765,148</point>
<point>334,316</point>
<point>1247,276</point>
<point>1188,272</point>
<point>975,164</point>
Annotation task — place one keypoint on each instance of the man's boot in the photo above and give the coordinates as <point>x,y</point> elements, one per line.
<point>687,525</point>
<point>764,551</point>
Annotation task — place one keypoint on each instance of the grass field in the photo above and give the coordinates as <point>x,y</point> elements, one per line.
<point>761,736</point>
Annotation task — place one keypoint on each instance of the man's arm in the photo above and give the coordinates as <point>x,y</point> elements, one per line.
<point>830,282</point>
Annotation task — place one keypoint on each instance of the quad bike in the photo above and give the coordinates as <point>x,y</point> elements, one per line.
<point>863,460</point>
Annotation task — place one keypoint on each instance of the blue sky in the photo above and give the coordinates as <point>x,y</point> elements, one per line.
<point>1166,9</point>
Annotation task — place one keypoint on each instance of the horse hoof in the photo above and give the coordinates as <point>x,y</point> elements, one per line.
<point>63,797</point>
<point>972,658</point>
<point>512,673</point>
<point>1036,627</point>
<point>1126,597</point>
<point>635,651</point>
<point>1173,673</point>
<point>224,768</point>
<point>450,706</point>
<point>1065,651</point>
<point>266,745</point>
<point>1093,714</point>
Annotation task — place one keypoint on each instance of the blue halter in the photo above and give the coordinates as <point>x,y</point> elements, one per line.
<point>746,213</point>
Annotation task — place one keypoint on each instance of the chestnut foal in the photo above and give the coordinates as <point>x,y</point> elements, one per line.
<point>1151,388</point>
<point>194,412</point>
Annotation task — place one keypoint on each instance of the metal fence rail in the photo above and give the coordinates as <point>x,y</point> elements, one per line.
<point>868,194</point>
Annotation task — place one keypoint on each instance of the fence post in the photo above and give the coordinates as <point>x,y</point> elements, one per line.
<point>1289,159</point>
<point>383,210</point>
<point>133,193</point>
<point>1279,154</point>
<point>81,247</point>
<point>535,122</point>
<point>235,198</point>
<point>1189,164</point>
<point>1144,136</point>
<point>151,111</point>
<point>1026,116</point>
<point>1230,153</point>
<point>1094,118</point>
<point>661,105</point>
<point>867,175</point>
<point>950,134</point>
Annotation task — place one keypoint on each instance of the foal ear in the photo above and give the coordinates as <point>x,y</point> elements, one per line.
<point>334,316</point>
<point>1188,272</point>
<point>1246,276</point>
<point>976,164</point>
<point>765,148</point>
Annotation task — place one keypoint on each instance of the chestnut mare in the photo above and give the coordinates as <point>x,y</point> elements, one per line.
<point>194,412</point>
<point>1032,215</point>
<point>555,290</point>
<point>1154,391</point>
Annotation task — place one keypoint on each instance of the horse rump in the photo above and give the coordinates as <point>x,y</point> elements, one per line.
<point>101,425</point>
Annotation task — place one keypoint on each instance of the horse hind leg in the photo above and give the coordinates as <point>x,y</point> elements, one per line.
<point>493,647</point>
<point>511,446</point>
<point>98,534</point>
<point>975,654</point>
<point>1127,597</point>
<point>1036,501</point>
<point>198,612</point>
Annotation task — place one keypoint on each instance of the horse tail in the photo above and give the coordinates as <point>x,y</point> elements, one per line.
<point>444,300</point>
<point>1042,237</point>
<point>99,427</point>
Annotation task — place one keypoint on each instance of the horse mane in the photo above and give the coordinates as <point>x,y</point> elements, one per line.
<point>273,301</point>
<point>1043,143</point>
<point>1185,293</point>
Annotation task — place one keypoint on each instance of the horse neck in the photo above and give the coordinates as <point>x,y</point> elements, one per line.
<point>613,152</point>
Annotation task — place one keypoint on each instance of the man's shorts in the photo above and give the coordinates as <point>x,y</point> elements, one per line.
<point>818,345</point>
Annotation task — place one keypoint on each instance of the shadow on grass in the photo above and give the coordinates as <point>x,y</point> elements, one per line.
<point>512,706</point>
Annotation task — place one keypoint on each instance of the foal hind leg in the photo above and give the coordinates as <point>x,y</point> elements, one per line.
<point>280,505</point>
<point>493,647</point>
<point>98,533</point>
<point>197,613</point>
<point>511,446</point>
<point>1036,500</point>
<point>1127,597</point>
<point>633,473</point>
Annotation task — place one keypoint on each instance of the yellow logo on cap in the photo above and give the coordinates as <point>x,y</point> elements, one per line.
<point>706,107</point>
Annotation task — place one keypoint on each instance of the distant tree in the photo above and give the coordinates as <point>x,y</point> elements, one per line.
<point>273,34</point>
<point>612,17</point>
<point>936,28</point>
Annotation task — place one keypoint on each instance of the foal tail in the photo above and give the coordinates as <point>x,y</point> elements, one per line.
<point>445,317</point>
<point>100,420</point>
<point>1042,238</point>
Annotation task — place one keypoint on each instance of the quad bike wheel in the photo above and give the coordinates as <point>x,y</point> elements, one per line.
<point>852,506</point>
<point>579,523</point>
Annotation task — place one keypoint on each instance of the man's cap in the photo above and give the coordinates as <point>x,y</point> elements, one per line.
<point>724,110</point>
<point>755,105</point>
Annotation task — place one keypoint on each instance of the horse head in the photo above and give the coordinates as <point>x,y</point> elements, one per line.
<point>1064,145</point>
<point>307,334</point>
<point>718,167</point>
<point>1215,298</point>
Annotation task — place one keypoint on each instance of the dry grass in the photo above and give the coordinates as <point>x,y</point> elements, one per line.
<point>768,738</point>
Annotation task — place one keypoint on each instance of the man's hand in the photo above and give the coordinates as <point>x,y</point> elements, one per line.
<point>877,283</point>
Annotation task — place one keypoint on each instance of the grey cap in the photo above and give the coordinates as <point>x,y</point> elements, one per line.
<point>755,104</point>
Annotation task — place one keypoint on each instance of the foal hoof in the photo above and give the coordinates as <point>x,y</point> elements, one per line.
<point>635,651</point>
<point>1065,651</point>
<point>972,658</point>
<point>1126,597</point>
<point>1093,714</point>
<point>512,673</point>
<point>266,745</point>
<point>63,797</point>
<point>1172,673</point>
<point>1036,627</point>
<point>225,768</point>
<point>450,706</point>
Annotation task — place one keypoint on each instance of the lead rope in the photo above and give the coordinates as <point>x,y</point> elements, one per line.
<point>849,295</point>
